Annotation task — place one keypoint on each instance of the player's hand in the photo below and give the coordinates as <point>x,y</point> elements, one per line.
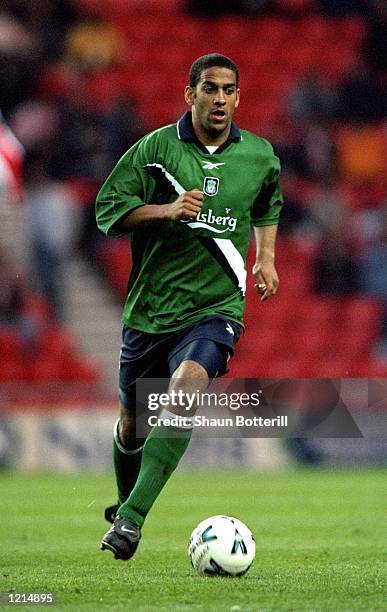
<point>266,279</point>
<point>187,206</point>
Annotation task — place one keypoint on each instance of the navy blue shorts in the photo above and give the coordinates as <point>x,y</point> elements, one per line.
<point>210,342</point>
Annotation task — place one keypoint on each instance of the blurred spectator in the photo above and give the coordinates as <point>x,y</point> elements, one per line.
<point>122,126</point>
<point>15,39</point>
<point>19,58</point>
<point>305,148</point>
<point>35,123</point>
<point>94,44</point>
<point>373,275</point>
<point>289,145</point>
<point>366,225</point>
<point>293,217</point>
<point>215,8</point>
<point>14,310</point>
<point>362,98</point>
<point>335,272</point>
<point>81,151</point>
<point>341,8</point>
<point>296,218</point>
<point>375,46</point>
<point>89,141</point>
<point>327,208</point>
<point>47,19</point>
<point>52,226</point>
<point>320,151</point>
<point>11,299</point>
<point>312,99</point>
<point>11,166</point>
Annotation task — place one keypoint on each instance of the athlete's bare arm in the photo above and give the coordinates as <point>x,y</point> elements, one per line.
<point>265,274</point>
<point>186,206</point>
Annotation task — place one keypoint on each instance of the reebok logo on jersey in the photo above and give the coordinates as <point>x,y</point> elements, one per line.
<point>207,165</point>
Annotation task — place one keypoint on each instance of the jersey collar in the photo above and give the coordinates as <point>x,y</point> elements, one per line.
<point>186,132</point>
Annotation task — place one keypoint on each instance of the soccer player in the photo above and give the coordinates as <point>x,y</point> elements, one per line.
<point>187,194</point>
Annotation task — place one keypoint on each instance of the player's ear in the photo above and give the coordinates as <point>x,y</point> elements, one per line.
<point>189,95</point>
<point>237,97</point>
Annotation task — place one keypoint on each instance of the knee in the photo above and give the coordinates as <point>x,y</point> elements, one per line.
<point>190,370</point>
<point>189,377</point>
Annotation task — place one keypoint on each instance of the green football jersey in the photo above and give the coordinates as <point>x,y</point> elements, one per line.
<point>185,270</point>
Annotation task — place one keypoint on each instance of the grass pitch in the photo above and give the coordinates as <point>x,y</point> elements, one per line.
<point>320,542</point>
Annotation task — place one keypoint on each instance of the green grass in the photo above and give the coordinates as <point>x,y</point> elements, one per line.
<point>320,542</point>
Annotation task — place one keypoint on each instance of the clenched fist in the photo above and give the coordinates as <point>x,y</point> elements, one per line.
<point>187,205</point>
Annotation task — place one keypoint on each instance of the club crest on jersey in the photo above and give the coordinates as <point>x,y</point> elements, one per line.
<point>211,185</point>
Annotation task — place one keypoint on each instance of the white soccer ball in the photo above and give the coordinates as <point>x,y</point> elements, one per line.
<point>221,546</point>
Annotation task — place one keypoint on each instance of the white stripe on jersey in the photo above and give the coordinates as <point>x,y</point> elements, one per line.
<point>179,189</point>
<point>235,260</point>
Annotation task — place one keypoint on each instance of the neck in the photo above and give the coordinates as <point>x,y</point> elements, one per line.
<point>212,140</point>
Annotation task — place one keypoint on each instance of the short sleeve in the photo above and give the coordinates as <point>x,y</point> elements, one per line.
<point>267,206</point>
<point>127,187</point>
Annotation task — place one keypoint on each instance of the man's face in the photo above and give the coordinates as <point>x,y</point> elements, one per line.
<point>213,101</point>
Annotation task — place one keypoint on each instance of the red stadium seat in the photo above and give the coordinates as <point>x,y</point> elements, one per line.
<point>352,30</point>
<point>10,345</point>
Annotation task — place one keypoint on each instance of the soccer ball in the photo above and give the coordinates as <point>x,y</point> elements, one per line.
<point>221,546</point>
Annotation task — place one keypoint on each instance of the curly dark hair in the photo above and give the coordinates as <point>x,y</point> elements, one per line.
<point>208,61</point>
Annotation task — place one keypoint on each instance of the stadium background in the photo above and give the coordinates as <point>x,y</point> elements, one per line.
<point>80,81</point>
